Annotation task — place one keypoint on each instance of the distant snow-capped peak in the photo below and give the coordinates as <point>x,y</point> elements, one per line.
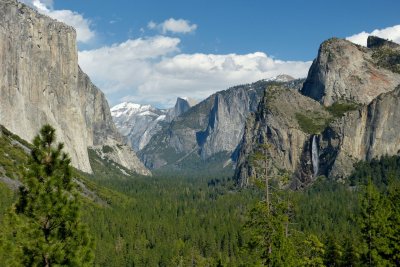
<point>130,109</point>
<point>280,78</point>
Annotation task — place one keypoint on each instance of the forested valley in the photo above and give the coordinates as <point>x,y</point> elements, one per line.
<point>200,220</point>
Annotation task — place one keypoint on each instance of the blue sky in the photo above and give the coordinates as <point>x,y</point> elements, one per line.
<point>152,51</point>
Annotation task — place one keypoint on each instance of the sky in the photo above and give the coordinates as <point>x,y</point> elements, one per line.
<point>152,51</point>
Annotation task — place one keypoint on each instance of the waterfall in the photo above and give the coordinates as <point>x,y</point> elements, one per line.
<point>314,155</point>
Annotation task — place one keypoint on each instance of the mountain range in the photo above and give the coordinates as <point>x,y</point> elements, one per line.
<point>208,131</point>
<point>346,112</point>
<point>343,112</point>
<point>333,137</point>
<point>139,123</point>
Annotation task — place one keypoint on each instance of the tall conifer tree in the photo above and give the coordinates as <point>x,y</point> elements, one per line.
<point>44,225</point>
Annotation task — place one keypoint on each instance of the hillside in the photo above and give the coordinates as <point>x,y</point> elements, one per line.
<point>346,112</point>
<point>142,220</point>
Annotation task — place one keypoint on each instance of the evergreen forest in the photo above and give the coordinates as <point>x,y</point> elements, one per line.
<point>206,220</point>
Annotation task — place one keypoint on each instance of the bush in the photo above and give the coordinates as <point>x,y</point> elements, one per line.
<point>338,109</point>
<point>311,125</point>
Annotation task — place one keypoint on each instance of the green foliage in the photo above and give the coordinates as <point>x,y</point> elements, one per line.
<point>12,154</point>
<point>171,220</point>
<point>311,123</point>
<point>379,171</point>
<point>107,149</point>
<point>315,123</point>
<point>313,254</point>
<point>394,222</point>
<point>374,226</point>
<point>327,208</point>
<point>268,235</point>
<point>333,252</point>
<point>379,223</point>
<point>43,228</point>
<point>166,220</point>
<point>338,109</point>
<point>351,255</point>
<point>268,224</point>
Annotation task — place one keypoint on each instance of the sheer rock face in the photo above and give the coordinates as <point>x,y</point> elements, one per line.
<point>367,130</point>
<point>364,134</point>
<point>211,130</point>
<point>212,126</point>
<point>139,123</point>
<point>41,82</point>
<point>275,123</point>
<point>182,105</point>
<point>226,121</point>
<point>344,71</point>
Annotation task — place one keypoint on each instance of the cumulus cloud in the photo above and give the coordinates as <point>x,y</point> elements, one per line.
<point>151,71</point>
<point>152,25</point>
<point>74,19</point>
<point>391,33</point>
<point>121,67</point>
<point>173,25</point>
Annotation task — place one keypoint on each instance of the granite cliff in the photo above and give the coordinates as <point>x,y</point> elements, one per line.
<point>208,132</point>
<point>139,123</point>
<point>344,71</point>
<point>346,112</point>
<point>41,82</point>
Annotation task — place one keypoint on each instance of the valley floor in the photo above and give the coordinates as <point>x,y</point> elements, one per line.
<point>172,220</point>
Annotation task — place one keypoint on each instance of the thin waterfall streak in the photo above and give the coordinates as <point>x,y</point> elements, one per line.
<point>314,155</point>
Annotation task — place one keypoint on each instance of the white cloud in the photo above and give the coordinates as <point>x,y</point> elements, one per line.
<point>127,65</point>
<point>150,70</point>
<point>152,25</point>
<point>173,25</point>
<point>391,33</point>
<point>74,19</point>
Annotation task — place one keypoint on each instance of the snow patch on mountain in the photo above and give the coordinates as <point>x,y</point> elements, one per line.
<point>139,123</point>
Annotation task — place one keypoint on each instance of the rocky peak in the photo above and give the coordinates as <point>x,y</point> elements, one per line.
<point>127,109</point>
<point>209,132</point>
<point>377,42</point>
<point>346,72</point>
<point>287,121</point>
<point>137,123</point>
<point>355,115</point>
<point>182,105</point>
<point>282,78</point>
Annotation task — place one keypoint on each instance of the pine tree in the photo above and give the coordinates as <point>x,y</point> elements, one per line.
<point>374,225</point>
<point>394,222</point>
<point>333,253</point>
<point>351,256</point>
<point>270,242</point>
<point>313,253</point>
<point>44,227</point>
